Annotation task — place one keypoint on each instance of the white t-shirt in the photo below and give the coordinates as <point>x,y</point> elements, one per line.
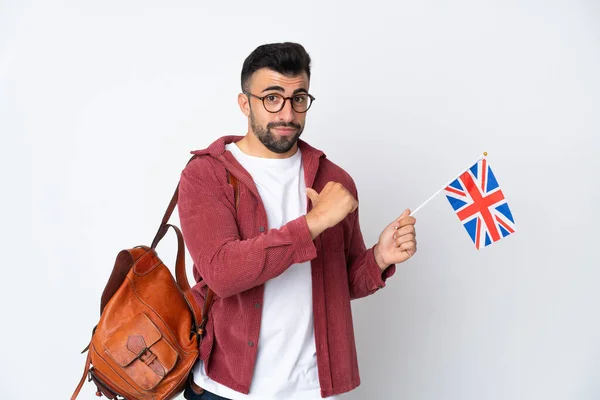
<point>286,363</point>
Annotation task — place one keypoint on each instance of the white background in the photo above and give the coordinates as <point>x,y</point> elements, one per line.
<point>101,103</point>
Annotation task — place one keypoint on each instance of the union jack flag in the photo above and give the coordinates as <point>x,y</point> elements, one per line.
<point>480,205</point>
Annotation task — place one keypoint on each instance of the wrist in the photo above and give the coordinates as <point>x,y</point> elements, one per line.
<point>379,259</point>
<point>315,224</point>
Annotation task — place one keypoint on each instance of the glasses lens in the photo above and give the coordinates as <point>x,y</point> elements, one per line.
<point>273,102</point>
<point>301,102</point>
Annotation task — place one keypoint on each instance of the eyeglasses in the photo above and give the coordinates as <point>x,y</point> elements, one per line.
<point>275,102</point>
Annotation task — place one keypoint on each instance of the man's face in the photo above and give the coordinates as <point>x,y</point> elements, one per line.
<point>278,131</point>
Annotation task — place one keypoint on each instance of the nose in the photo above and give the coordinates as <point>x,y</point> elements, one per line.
<point>287,113</point>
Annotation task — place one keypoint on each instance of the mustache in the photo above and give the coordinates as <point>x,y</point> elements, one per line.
<point>283,125</point>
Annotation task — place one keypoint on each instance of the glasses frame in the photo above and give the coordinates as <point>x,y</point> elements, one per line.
<point>285,99</point>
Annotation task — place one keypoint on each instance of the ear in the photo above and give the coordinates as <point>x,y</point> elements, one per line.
<point>244,104</point>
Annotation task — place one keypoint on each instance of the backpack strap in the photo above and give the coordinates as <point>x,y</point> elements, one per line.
<point>162,229</point>
<point>85,374</point>
<point>201,318</point>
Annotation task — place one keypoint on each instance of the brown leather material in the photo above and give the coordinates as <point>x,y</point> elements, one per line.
<point>122,266</point>
<point>86,371</point>
<point>195,388</point>
<point>235,183</point>
<point>103,389</point>
<point>161,229</point>
<point>147,339</point>
<point>140,349</point>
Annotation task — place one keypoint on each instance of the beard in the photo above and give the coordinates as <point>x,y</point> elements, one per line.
<point>268,139</point>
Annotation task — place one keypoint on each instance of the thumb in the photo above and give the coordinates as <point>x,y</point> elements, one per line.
<point>312,195</point>
<point>404,214</point>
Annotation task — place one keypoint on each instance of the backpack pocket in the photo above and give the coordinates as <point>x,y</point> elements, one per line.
<point>141,351</point>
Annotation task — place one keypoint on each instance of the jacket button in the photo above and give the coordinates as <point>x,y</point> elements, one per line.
<point>251,343</point>
<point>261,229</point>
<point>257,305</point>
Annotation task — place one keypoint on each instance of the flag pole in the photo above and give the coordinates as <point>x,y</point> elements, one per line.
<point>449,182</point>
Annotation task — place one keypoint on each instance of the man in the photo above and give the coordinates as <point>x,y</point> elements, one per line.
<point>284,258</point>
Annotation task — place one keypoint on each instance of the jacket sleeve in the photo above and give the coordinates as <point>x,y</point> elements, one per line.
<point>228,264</point>
<point>364,275</point>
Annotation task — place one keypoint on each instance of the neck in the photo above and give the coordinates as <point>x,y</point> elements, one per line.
<point>251,145</point>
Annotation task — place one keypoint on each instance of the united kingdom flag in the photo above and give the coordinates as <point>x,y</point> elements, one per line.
<point>480,205</point>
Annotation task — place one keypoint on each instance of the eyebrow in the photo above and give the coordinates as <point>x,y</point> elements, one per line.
<point>280,89</point>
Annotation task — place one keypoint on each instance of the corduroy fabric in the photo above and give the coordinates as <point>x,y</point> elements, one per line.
<point>235,255</point>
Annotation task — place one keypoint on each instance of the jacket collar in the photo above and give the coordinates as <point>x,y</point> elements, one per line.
<point>310,160</point>
<point>217,148</point>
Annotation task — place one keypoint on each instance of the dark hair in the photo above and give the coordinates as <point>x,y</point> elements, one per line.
<point>286,58</point>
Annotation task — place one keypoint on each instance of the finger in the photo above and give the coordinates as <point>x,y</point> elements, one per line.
<point>408,229</point>
<point>404,239</point>
<point>409,247</point>
<point>405,221</point>
<point>329,185</point>
<point>411,252</point>
<point>404,214</point>
<point>312,194</point>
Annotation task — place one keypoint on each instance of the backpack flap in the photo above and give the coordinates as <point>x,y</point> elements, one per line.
<point>140,349</point>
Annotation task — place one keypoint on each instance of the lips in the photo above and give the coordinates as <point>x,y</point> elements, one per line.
<point>284,131</point>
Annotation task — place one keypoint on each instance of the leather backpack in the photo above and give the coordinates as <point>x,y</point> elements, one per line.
<point>147,339</point>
